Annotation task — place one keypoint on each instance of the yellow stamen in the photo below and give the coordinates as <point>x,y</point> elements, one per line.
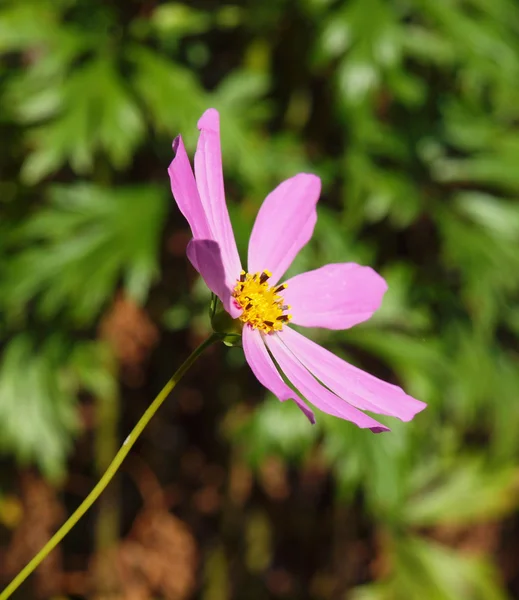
<point>263,307</point>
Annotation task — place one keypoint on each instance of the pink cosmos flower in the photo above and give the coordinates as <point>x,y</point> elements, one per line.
<point>336,296</point>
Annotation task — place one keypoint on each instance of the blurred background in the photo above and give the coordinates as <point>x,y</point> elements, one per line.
<point>409,112</point>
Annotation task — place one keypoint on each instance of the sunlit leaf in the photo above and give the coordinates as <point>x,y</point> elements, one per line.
<point>86,241</point>
<point>467,494</point>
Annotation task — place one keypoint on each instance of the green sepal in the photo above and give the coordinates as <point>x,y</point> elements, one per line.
<point>222,323</point>
<point>232,340</point>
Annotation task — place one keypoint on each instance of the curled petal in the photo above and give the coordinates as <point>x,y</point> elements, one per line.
<point>209,180</point>
<point>284,224</point>
<point>358,388</point>
<point>336,296</point>
<point>206,257</point>
<point>265,371</point>
<point>185,192</point>
<point>317,394</point>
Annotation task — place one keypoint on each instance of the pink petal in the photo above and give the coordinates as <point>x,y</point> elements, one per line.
<point>313,391</point>
<point>335,296</point>
<point>209,179</point>
<point>284,224</point>
<point>185,192</point>
<point>358,388</point>
<point>265,371</point>
<point>206,257</point>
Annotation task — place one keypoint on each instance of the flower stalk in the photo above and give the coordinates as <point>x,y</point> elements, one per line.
<point>108,407</point>
<point>111,470</point>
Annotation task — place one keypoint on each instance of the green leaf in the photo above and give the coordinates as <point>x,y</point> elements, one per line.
<point>498,216</point>
<point>103,117</point>
<point>468,493</point>
<point>26,25</point>
<point>379,464</point>
<point>176,19</point>
<point>170,92</point>
<point>424,569</point>
<point>278,429</point>
<point>79,247</point>
<point>39,385</point>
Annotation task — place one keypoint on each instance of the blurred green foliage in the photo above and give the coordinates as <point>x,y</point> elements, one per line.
<point>409,112</point>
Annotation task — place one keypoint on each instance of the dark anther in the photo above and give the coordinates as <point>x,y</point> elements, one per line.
<point>249,305</point>
<point>263,277</point>
<point>283,318</point>
<point>242,277</point>
<point>280,288</point>
<point>269,323</point>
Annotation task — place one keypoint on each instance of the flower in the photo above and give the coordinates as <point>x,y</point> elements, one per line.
<point>336,296</point>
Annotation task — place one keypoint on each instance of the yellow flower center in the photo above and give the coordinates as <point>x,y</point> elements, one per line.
<point>263,307</point>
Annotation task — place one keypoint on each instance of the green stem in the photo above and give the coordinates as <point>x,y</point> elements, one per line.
<point>105,448</point>
<point>110,472</point>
